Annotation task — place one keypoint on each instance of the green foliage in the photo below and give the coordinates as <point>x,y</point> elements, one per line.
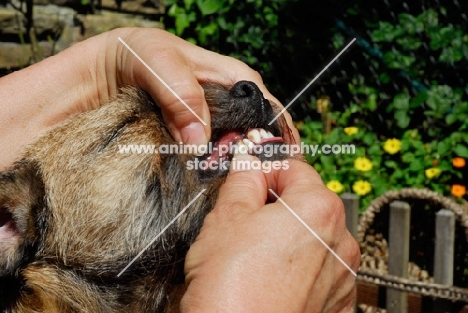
<point>407,167</point>
<point>430,124</point>
<point>404,96</point>
<point>247,30</point>
<point>448,42</point>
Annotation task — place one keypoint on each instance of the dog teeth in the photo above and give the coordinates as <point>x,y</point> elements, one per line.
<point>257,134</point>
<point>242,148</point>
<point>249,144</point>
<point>263,133</point>
<point>254,135</point>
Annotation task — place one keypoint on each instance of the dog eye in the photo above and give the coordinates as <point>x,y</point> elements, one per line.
<point>5,215</point>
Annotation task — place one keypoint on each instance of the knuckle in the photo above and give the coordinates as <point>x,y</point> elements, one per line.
<point>334,208</point>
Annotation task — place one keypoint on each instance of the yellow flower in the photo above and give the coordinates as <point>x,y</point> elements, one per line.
<point>392,146</point>
<point>351,130</point>
<point>362,187</point>
<point>432,172</point>
<point>363,164</point>
<point>335,186</point>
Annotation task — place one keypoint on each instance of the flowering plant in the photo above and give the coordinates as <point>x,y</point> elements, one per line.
<point>405,157</point>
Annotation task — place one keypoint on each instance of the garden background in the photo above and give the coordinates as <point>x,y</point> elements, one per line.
<point>399,93</point>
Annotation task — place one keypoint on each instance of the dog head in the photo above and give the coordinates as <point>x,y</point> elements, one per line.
<point>98,193</point>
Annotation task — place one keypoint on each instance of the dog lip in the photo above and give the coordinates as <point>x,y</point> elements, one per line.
<point>259,136</point>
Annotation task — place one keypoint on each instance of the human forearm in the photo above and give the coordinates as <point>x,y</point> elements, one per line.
<point>41,96</point>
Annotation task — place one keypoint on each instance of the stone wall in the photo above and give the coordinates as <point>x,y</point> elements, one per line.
<point>57,24</point>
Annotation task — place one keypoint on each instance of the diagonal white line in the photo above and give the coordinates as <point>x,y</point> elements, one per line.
<point>161,232</point>
<point>162,81</point>
<point>313,80</point>
<point>313,232</point>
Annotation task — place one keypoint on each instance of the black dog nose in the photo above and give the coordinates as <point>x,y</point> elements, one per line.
<point>246,89</point>
<point>249,95</point>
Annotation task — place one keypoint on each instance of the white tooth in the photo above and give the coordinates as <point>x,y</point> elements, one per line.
<point>270,135</point>
<point>249,143</point>
<point>241,148</point>
<point>254,135</point>
<point>263,133</point>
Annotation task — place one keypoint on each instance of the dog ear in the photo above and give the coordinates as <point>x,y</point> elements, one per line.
<point>21,197</point>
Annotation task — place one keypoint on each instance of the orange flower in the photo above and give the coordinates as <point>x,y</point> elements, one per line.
<point>458,162</point>
<point>458,190</point>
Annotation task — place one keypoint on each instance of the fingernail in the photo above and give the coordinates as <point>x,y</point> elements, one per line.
<point>194,133</point>
<point>242,162</point>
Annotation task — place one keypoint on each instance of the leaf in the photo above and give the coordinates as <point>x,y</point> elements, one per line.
<point>386,32</point>
<point>188,4</point>
<point>374,150</point>
<point>420,98</point>
<point>368,139</point>
<point>208,6</point>
<point>451,55</point>
<point>451,118</point>
<point>401,102</point>
<point>409,44</point>
<point>371,102</point>
<point>429,17</point>
<point>417,165</point>
<point>460,107</point>
<point>439,99</point>
<point>182,21</point>
<point>206,31</point>
<point>443,147</point>
<point>328,162</point>
<point>410,23</point>
<point>402,118</point>
<point>391,164</point>
<point>461,150</point>
<point>384,78</point>
<point>407,157</point>
<point>173,10</point>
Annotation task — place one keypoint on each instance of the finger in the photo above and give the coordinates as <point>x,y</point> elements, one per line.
<point>167,76</point>
<point>182,101</point>
<point>302,190</point>
<point>299,177</point>
<point>301,184</point>
<point>245,189</point>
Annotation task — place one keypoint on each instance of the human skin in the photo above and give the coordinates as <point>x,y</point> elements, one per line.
<point>90,73</point>
<point>256,257</point>
<point>249,257</point>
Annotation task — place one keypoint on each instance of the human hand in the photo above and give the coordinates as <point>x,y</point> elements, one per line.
<point>90,73</point>
<point>257,257</point>
<point>182,66</point>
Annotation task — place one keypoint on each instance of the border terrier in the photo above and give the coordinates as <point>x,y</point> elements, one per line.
<point>74,211</point>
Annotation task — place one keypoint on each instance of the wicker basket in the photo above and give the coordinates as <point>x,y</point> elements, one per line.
<point>424,203</point>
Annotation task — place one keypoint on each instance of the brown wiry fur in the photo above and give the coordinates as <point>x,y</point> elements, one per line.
<point>76,211</point>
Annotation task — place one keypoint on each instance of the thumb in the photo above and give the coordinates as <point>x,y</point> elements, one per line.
<point>245,188</point>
